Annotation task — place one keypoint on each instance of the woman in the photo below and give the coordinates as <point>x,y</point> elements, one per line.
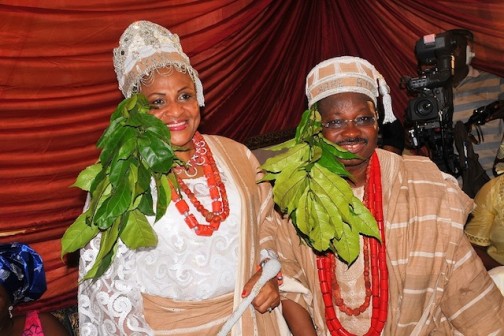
<point>485,229</point>
<point>208,247</point>
<point>22,280</point>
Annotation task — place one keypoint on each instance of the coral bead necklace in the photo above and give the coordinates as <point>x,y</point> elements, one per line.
<point>220,206</point>
<point>374,256</point>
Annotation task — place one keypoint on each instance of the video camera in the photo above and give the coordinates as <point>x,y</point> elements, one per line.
<point>429,114</point>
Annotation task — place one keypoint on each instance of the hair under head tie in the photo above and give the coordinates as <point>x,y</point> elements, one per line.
<point>348,74</point>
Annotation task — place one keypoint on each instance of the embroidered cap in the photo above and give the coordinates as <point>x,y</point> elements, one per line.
<point>144,47</point>
<point>348,74</point>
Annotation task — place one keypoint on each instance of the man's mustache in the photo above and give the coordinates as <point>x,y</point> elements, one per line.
<point>352,141</point>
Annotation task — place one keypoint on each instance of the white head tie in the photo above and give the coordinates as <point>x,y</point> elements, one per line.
<point>348,74</point>
<point>144,47</point>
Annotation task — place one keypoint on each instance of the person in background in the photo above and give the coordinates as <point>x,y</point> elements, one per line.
<point>391,137</point>
<point>473,89</point>
<point>212,237</point>
<point>22,280</point>
<point>485,229</point>
<point>423,278</point>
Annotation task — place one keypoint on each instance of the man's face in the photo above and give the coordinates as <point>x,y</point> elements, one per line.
<point>360,140</point>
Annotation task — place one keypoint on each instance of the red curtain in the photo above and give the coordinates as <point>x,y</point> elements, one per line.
<point>58,86</point>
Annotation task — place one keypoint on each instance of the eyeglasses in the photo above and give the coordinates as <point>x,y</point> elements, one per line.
<point>364,121</point>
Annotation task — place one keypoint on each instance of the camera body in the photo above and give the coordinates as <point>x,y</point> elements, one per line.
<point>429,114</point>
<point>432,88</point>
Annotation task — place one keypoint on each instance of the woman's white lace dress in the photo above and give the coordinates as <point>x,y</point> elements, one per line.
<point>183,266</point>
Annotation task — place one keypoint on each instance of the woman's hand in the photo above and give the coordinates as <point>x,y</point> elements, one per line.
<point>268,297</point>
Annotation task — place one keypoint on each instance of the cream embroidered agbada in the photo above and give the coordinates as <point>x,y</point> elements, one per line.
<point>437,284</point>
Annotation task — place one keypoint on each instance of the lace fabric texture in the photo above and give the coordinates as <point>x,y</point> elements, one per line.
<point>183,266</point>
<point>353,290</point>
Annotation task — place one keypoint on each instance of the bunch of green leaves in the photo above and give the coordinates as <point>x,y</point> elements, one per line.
<point>135,149</point>
<point>311,186</point>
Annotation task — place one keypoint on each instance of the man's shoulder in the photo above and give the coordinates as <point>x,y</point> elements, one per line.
<point>406,161</point>
<point>411,167</point>
<point>477,75</point>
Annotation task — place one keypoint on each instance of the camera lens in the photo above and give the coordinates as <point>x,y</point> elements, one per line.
<point>424,107</point>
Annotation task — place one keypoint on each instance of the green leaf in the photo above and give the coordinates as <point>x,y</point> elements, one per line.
<point>119,171</point>
<point>156,153</point>
<point>106,137</point>
<point>86,177</point>
<point>336,150</point>
<point>268,177</point>
<point>156,126</point>
<point>131,102</point>
<point>303,218</point>
<point>364,220</point>
<point>328,161</point>
<point>146,204</point>
<point>335,186</point>
<point>127,146</point>
<point>135,149</point>
<point>99,182</point>
<point>327,206</point>
<point>284,145</point>
<point>114,144</point>
<point>291,184</point>
<point>100,267</point>
<point>323,232</point>
<point>164,196</point>
<point>295,155</point>
<point>77,235</point>
<point>98,196</point>
<point>108,245</point>
<point>309,127</point>
<point>116,204</point>
<point>311,185</point>
<point>138,232</point>
<point>143,180</point>
<point>348,247</point>
<point>303,126</point>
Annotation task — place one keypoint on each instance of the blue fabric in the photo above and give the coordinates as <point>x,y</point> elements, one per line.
<point>21,272</point>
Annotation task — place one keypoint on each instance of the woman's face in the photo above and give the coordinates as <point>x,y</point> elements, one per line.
<point>172,97</point>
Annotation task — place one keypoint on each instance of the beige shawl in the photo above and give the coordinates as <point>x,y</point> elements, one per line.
<point>169,317</point>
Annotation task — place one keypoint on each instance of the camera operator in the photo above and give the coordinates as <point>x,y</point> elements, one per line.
<point>453,101</point>
<point>473,89</point>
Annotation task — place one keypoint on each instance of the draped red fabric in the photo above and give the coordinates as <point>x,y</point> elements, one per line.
<point>58,86</point>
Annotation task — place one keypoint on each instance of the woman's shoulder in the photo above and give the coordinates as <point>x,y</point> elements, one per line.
<point>232,151</point>
<point>225,143</point>
<point>223,140</point>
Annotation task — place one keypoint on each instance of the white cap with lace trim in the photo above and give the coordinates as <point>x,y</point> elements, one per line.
<point>348,74</point>
<point>144,47</point>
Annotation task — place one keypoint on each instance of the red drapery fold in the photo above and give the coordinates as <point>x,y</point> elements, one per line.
<point>58,86</point>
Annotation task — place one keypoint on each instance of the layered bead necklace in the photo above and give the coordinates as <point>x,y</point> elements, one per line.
<point>220,206</point>
<point>376,281</point>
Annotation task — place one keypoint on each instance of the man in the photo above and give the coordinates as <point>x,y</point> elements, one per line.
<point>473,89</point>
<point>436,283</point>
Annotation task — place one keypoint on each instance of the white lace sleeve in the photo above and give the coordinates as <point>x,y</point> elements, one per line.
<point>112,305</point>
